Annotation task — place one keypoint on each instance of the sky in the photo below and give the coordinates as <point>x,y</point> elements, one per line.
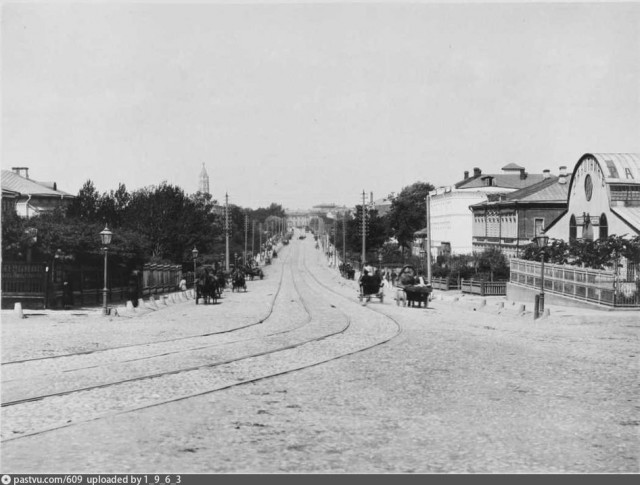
<point>309,103</point>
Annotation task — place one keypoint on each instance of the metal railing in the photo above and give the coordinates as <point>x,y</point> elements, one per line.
<point>596,286</point>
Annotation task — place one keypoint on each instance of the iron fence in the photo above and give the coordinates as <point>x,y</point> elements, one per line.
<point>595,286</point>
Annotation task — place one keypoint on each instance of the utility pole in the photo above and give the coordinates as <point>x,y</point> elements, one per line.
<point>364,230</point>
<point>226,231</point>
<point>260,237</point>
<point>246,230</point>
<point>344,237</point>
<point>428,204</point>
<point>253,237</point>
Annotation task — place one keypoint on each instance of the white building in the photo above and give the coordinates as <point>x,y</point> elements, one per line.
<point>451,218</point>
<point>604,198</point>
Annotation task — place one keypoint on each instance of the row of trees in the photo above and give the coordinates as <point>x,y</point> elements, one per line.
<point>154,224</point>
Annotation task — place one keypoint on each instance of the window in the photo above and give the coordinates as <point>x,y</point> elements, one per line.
<point>604,228</point>
<point>573,229</point>
<point>538,226</point>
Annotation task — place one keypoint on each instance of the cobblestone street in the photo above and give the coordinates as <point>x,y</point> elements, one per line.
<point>296,376</point>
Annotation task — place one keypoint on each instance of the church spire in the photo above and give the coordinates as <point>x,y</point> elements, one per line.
<point>203,185</point>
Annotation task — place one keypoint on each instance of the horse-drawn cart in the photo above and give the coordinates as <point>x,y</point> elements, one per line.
<point>370,287</point>
<point>408,289</point>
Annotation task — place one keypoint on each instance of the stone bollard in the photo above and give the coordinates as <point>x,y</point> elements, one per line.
<point>17,309</point>
<point>140,303</point>
<point>130,306</point>
<point>164,300</point>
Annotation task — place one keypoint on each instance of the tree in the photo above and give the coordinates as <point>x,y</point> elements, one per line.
<point>85,205</point>
<point>408,213</point>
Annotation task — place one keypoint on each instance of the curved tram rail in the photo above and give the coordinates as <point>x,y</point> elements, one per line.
<point>253,364</point>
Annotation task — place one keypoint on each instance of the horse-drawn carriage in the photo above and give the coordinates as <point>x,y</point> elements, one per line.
<point>253,272</point>
<point>409,290</point>
<point>370,287</point>
<point>347,271</point>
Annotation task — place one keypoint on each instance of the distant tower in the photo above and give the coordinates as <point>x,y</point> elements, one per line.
<point>203,185</point>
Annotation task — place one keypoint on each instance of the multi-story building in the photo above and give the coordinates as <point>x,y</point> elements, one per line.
<point>451,220</point>
<point>509,221</point>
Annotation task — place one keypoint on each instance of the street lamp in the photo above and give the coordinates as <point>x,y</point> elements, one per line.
<point>541,242</point>
<point>380,260</point>
<point>105,238</point>
<point>194,253</point>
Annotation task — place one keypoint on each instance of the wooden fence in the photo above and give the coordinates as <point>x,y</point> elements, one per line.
<point>484,288</point>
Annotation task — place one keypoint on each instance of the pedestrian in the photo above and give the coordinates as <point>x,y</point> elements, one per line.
<point>67,293</point>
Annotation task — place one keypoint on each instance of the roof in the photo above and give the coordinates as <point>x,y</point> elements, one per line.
<point>512,166</point>
<point>548,190</point>
<point>617,167</point>
<point>17,183</point>
<point>630,215</point>
<point>502,180</point>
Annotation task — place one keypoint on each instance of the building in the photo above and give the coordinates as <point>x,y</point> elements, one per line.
<point>30,197</point>
<point>603,198</point>
<point>203,181</point>
<point>509,222</point>
<point>452,221</point>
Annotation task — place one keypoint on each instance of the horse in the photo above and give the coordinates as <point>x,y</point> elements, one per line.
<point>221,280</point>
<point>238,281</point>
<point>206,287</point>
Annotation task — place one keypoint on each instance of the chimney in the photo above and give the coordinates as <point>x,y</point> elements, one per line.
<point>546,173</point>
<point>562,179</point>
<point>466,175</point>
<point>19,170</point>
<point>477,172</point>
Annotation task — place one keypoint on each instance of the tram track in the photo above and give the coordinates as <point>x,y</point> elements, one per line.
<point>224,367</point>
<point>157,342</point>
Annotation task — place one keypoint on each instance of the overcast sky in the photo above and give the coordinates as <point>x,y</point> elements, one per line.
<point>302,104</point>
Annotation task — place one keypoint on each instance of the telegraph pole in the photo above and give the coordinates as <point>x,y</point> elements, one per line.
<point>364,231</point>
<point>428,204</point>
<point>344,237</point>
<point>253,237</point>
<point>226,231</point>
<point>246,230</point>
<point>260,236</point>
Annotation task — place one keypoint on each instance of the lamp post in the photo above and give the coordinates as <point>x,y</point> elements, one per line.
<point>105,238</point>
<point>541,242</point>
<point>194,253</point>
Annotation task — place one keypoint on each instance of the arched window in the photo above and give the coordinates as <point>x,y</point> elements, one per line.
<point>604,228</point>
<point>573,229</point>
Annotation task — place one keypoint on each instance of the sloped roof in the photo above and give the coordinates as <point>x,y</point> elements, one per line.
<point>17,183</point>
<point>501,180</point>
<point>618,167</point>
<point>548,190</point>
<point>512,166</point>
<point>630,215</point>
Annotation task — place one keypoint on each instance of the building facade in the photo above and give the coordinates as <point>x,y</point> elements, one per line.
<point>509,222</point>
<point>29,197</point>
<point>451,219</point>
<point>603,198</point>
